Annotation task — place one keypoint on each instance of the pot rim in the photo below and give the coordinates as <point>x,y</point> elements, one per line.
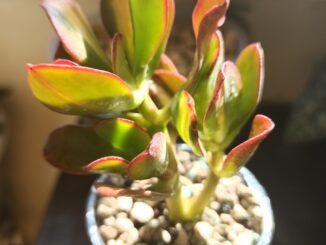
<point>268,224</point>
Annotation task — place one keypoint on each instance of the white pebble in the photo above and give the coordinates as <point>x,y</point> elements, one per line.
<point>203,230</point>
<point>108,232</point>
<point>109,201</point>
<point>142,212</point>
<point>104,211</point>
<point>109,221</point>
<point>166,236</point>
<point>124,224</point>
<point>239,213</point>
<point>245,238</point>
<point>125,203</point>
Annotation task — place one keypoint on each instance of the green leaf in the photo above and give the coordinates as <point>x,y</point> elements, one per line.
<point>110,164</point>
<point>112,191</point>
<point>252,71</point>
<point>117,18</point>
<point>239,156</point>
<point>76,33</point>
<point>208,27</point>
<point>120,64</point>
<point>167,64</point>
<point>125,136</point>
<point>78,90</point>
<point>152,162</point>
<point>220,116</point>
<point>171,81</point>
<point>185,120</point>
<point>203,80</point>
<point>150,23</point>
<point>71,148</point>
<point>202,8</point>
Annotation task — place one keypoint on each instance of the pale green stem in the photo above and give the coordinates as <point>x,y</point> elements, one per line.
<point>198,203</point>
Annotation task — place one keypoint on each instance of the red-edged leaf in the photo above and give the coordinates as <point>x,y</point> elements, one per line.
<point>208,27</point>
<point>71,148</point>
<point>110,164</point>
<point>150,23</point>
<point>240,155</point>
<point>65,62</point>
<point>202,84</point>
<point>252,70</point>
<point>167,64</point>
<point>111,191</point>
<point>152,162</point>
<point>185,120</point>
<point>117,18</point>
<point>80,90</point>
<point>124,135</point>
<point>157,57</point>
<point>75,33</point>
<point>120,64</point>
<point>220,116</point>
<point>202,8</point>
<point>170,80</point>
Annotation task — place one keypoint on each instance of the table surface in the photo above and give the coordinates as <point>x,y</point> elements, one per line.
<point>293,175</point>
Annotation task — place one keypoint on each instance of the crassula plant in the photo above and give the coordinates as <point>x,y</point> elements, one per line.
<point>137,104</point>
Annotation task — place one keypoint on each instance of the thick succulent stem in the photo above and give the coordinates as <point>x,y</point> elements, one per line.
<point>197,204</point>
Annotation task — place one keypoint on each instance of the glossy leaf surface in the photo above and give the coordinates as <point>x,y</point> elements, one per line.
<point>202,8</point>
<point>202,84</point>
<point>117,18</point>
<point>240,155</point>
<point>120,64</point>
<point>125,136</point>
<point>251,66</point>
<point>220,115</point>
<point>152,162</point>
<point>80,90</point>
<point>111,164</point>
<point>76,33</point>
<point>150,23</point>
<point>185,120</point>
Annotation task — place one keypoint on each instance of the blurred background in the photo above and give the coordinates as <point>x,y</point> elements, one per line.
<point>293,35</point>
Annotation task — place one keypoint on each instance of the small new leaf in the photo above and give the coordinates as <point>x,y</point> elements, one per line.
<point>152,162</point>
<point>185,120</point>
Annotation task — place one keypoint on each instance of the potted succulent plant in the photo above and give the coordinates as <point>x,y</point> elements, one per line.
<point>135,105</point>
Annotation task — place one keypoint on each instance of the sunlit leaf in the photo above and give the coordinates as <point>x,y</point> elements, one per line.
<point>202,8</point>
<point>76,33</point>
<point>240,155</point>
<point>117,18</point>
<point>150,22</point>
<point>152,162</point>
<point>125,136</point>
<point>120,64</point>
<point>252,70</point>
<point>110,164</point>
<point>185,120</point>
<point>79,90</point>
<point>220,115</point>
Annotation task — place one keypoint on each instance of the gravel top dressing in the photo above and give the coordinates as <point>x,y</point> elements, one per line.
<point>233,216</point>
